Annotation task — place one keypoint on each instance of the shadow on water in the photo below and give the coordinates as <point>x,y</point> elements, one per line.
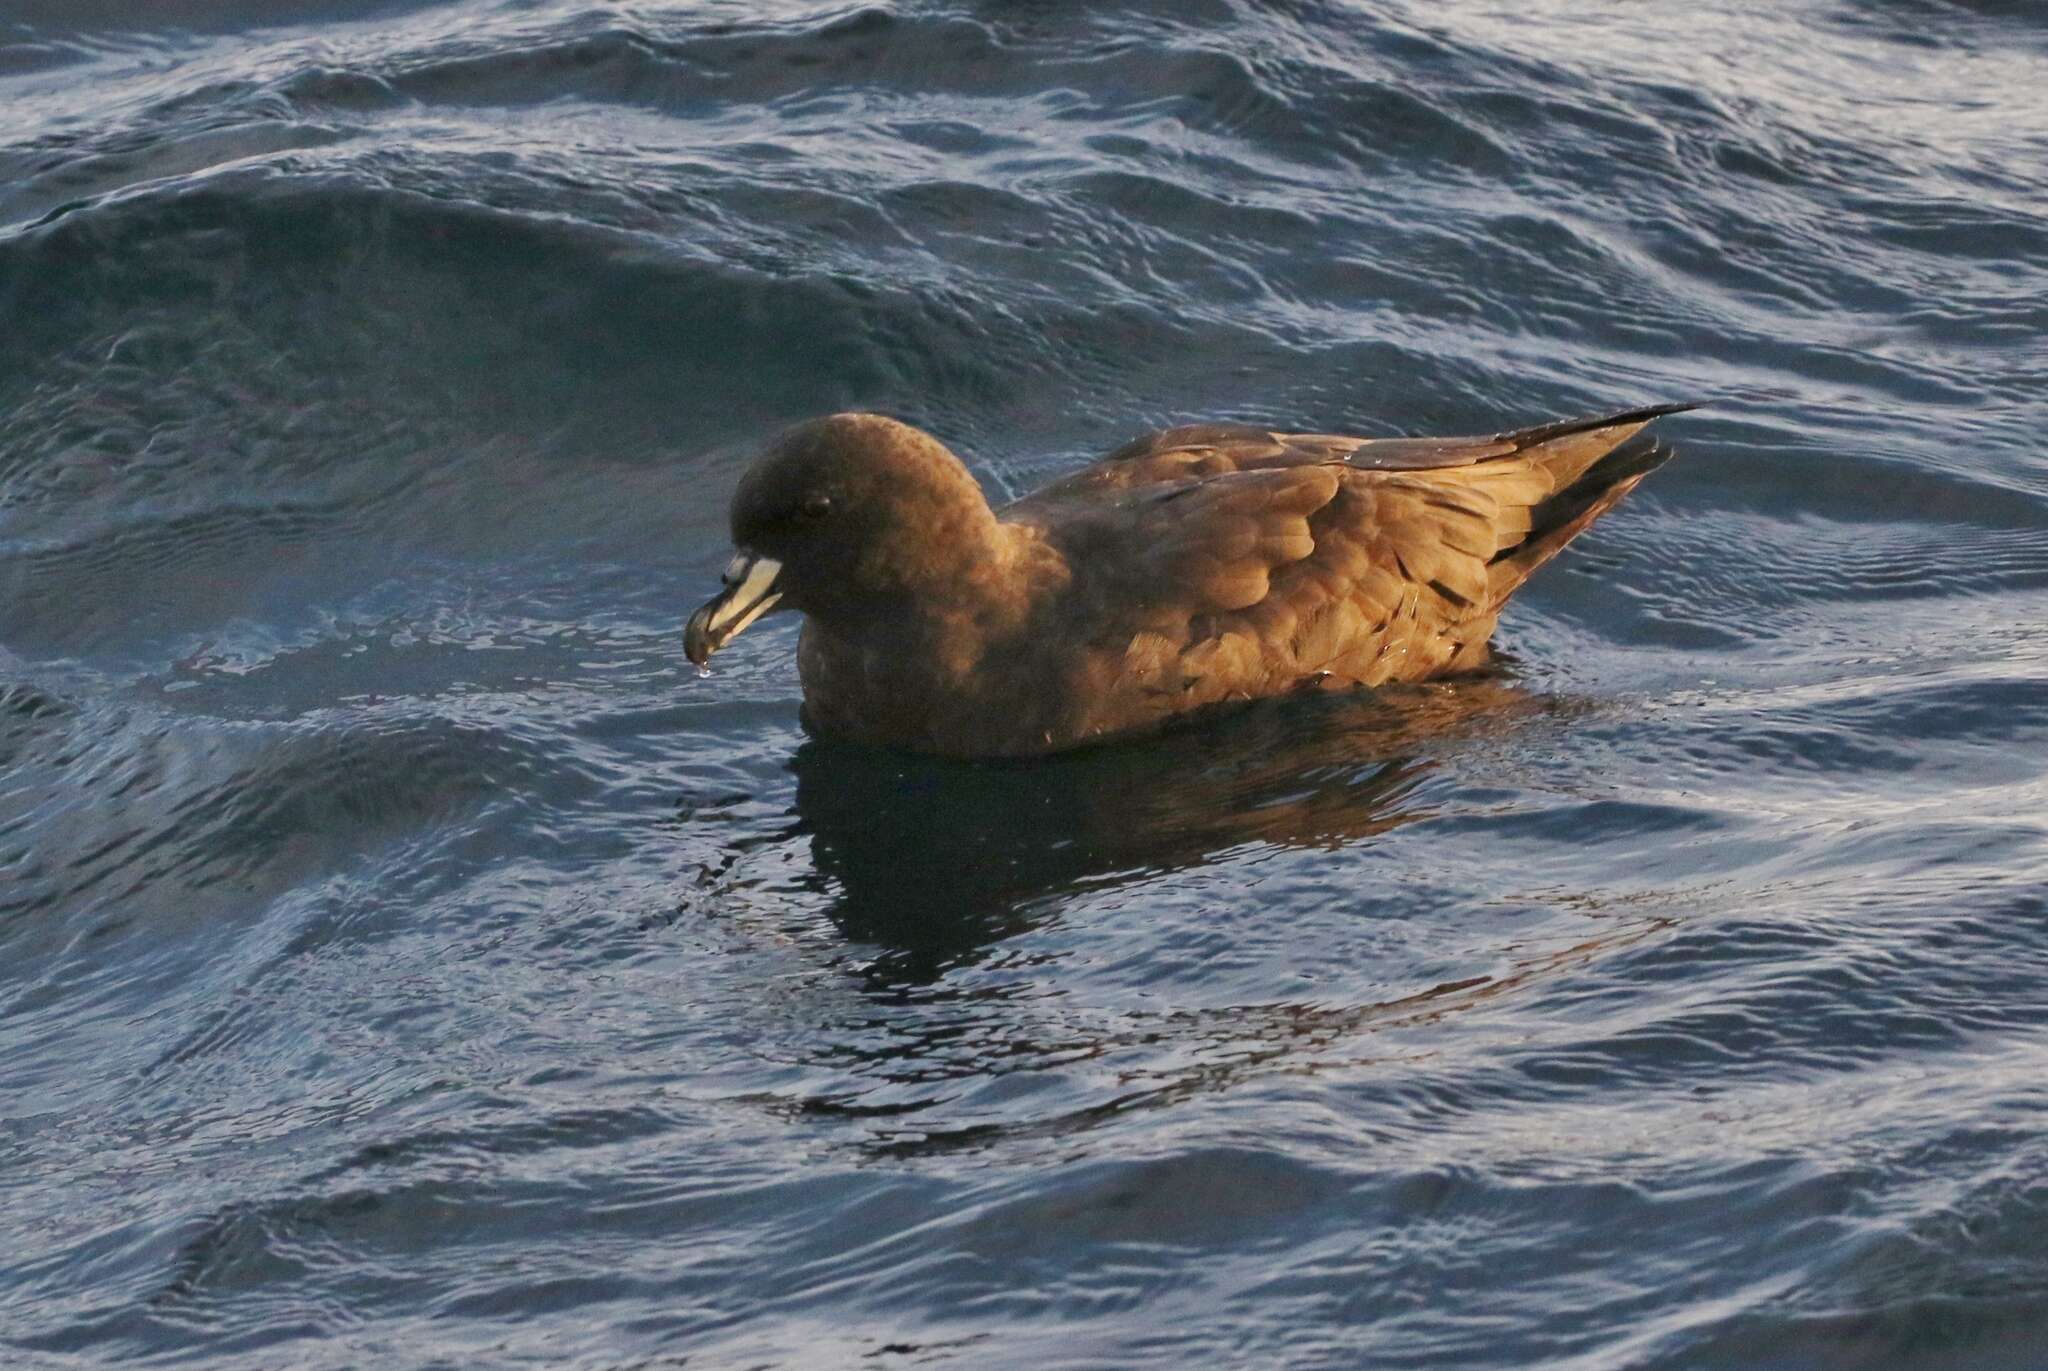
<point>933,859</point>
<point>925,867</point>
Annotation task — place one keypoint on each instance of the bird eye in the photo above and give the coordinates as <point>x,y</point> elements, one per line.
<point>816,507</point>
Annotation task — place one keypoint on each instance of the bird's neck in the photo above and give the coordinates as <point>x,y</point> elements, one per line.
<point>937,641</point>
<point>970,579</point>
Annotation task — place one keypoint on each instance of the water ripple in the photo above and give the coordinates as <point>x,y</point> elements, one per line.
<point>411,961</point>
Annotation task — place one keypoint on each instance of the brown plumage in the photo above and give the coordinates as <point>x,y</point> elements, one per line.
<point>1200,565</point>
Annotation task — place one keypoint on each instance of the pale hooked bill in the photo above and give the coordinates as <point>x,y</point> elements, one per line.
<point>749,593</point>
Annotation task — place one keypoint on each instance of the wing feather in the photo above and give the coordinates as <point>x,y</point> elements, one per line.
<point>1223,559</point>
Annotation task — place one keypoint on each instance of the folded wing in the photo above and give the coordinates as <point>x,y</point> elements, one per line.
<point>1225,559</point>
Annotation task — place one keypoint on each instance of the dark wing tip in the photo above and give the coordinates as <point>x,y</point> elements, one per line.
<point>1543,433</point>
<point>1649,412</point>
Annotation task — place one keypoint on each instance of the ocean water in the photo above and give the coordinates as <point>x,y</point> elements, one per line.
<point>406,960</point>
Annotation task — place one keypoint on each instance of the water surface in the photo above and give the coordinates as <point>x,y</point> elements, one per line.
<point>406,960</point>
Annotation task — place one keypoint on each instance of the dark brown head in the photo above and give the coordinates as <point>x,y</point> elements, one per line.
<point>842,516</point>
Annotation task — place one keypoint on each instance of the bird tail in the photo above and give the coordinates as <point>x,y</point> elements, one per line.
<point>1592,464</point>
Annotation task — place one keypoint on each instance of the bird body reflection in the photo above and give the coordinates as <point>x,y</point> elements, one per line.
<point>930,857</point>
<point>944,903</point>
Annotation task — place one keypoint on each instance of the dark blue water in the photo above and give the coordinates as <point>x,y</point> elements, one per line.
<point>406,960</point>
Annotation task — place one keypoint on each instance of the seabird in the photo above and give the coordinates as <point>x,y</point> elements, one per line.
<point>1196,566</point>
